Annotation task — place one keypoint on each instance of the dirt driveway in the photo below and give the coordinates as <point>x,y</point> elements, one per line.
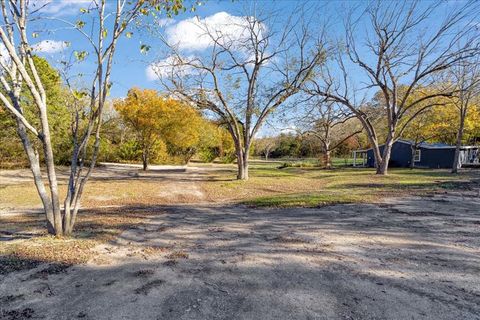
<point>414,258</point>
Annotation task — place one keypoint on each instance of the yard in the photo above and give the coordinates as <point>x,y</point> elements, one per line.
<point>291,243</point>
<point>120,86</point>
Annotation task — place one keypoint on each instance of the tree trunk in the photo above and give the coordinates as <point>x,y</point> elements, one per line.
<point>240,172</point>
<point>327,159</point>
<point>382,167</point>
<point>245,164</point>
<point>145,160</point>
<point>456,159</point>
<point>240,152</point>
<point>37,176</point>
<point>412,156</point>
<point>375,147</point>
<point>51,174</point>
<point>242,164</point>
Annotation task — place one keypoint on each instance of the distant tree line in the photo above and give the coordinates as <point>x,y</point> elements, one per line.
<point>150,128</point>
<point>296,145</point>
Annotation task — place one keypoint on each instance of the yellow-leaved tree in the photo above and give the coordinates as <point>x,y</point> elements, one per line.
<point>440,122</point>
<point>160,124</point>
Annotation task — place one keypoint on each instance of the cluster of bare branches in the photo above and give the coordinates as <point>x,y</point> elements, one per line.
<point>244,79</point>
<point>329,122</point>
<point>405,52</point>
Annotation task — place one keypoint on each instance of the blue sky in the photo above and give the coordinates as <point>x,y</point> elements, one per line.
<point>131,67</point>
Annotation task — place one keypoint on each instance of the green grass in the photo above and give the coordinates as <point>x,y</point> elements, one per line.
<point>305,200</point>
<point>349,185</point>
<point>307,162</point>
<point>268,186</point>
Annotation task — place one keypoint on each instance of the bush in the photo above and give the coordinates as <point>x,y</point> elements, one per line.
<point>299,165</point>
<point>129,151</point>
<point>228,158</point>
<point>207,155</point>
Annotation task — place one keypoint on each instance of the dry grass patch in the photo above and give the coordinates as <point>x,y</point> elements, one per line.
<point>27,240</point>
<point>50,249</point>
<point>99,193</point>
<point>177,255</point>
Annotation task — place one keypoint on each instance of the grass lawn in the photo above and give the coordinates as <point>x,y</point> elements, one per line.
<point>309,186</point>
<point>268,186</point>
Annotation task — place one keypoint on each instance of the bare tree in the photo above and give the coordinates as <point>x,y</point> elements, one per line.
<point>466,77</point>
<point>329,122</point>
<point>246,76</point>
<point>18,70</point>
<point>266,145</point>
<point>419,131</point>
<point>406,47</point>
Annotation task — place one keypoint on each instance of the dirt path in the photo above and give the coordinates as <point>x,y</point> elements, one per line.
<point>112,184</point>
<point>415,258</point>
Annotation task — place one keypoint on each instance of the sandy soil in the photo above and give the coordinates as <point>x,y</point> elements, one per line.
<point>410,258</point>
<point>403,258</point>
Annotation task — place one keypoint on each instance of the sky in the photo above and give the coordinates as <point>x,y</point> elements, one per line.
<point>56,42</point>
<point>131,67</point>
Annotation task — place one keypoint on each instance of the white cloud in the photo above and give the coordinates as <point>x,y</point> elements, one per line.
<point>166,22</point>
<point>191,34</point>
<point>50,46</point>
<point>151,72</point>
<point>291,129</point>
<point>167,66</point>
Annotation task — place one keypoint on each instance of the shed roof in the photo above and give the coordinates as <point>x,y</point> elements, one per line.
<point>427,145</point>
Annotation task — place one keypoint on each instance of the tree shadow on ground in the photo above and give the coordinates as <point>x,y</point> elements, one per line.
<point>470,185</point>
<point>413,258</point>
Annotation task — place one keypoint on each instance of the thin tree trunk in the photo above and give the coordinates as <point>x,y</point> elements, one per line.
<point>413,149</point>
<point>369,129</point>
<point>240,158</point>
<point>37,176</point>
<point>327,159</point>
<point>376,153</point>
<point>67,214</point>
<point>245,164</point>
<point>456,159</point>
<point>377,156</point>
<point>240,172</point>
<point>52,176</point>
<point>145,160</point>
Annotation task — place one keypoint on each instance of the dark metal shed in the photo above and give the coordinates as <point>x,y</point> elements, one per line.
<point>427,155</point>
